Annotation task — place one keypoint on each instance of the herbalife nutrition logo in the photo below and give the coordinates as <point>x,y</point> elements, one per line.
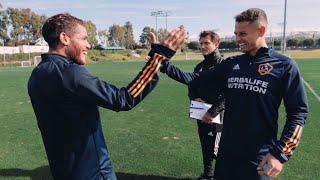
<point>248,84</point>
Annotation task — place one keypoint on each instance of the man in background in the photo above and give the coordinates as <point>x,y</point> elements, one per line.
<point>209,134</point>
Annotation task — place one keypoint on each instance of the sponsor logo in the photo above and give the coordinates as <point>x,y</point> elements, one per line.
<point>248,84</point>
<point>265,69</point>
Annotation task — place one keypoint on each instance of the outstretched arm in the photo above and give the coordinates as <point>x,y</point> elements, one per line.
<point>172,71</point>
<point>94,91</point>
<point>177,74</point>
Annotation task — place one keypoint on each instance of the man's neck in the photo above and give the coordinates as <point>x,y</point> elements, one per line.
<point>58,51</point>
<point>255,51</point>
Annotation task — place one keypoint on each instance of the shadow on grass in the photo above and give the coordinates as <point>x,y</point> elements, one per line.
<point>40,173</point>
<point>125,176</point>
<point>43,173</point>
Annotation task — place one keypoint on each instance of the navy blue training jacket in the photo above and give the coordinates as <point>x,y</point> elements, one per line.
<point>254,87</point>
<point>65,98</point>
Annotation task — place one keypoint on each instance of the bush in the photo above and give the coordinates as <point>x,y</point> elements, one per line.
<point>194,45</point>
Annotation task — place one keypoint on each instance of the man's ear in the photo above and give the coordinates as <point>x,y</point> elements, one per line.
<point>262,30</point>
<point>64,39</point>
<point>217,44</point>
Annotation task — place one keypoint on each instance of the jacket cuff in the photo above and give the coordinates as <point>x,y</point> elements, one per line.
<point>278,154</point>
<point>160,49</point>
<point>214,112</point>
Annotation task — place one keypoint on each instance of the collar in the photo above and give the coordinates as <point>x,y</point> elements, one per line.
<point>261,54</point>
<point>53,56</point>
<point>212,57</point>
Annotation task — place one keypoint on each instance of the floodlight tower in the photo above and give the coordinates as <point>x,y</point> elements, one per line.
<point>157,14</point>
<point>166,14</point>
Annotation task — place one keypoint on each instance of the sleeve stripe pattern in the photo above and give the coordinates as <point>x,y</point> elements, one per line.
<point>146,76</point>
<point>293,142</point>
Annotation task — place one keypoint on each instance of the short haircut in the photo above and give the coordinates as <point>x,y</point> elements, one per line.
<point>57,24</point>
<point>213,35</point>
<point>252,15</point>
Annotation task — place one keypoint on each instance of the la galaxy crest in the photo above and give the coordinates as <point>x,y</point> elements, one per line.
<point>265,69</point>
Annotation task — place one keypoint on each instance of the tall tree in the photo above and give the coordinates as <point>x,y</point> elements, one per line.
<point>103,36</point>
<point>116,35</point>
<point>4,25</point>
<point>162,33</point>
<point>144,36</point>
<point>128,36</point>
<point>194,45</point>
<point>26,21</point>
<point>308,42</point>
<point>36,22</point>
<point>292,42</point>
<point>16,22</point>
<point>92,33</point>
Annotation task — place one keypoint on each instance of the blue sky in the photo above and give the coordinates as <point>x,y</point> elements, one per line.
<point>195,15</point>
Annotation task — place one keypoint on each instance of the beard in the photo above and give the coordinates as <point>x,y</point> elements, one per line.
<point>75,54</point>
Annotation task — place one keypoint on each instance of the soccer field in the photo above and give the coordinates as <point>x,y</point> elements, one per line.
<point>156,140</point>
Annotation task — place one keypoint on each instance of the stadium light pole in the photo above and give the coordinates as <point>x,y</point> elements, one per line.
<point>166,14</point>
<point>4,52</point>
<point>157,14</point>
<point>284,28</point>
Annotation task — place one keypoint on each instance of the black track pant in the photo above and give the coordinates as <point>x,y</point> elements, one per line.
<point>208,136</point>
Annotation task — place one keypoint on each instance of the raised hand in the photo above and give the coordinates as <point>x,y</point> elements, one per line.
<point>152,38</point>
<point>174,40</point>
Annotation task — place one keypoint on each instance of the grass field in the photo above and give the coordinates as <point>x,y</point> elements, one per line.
<point>153,141</point>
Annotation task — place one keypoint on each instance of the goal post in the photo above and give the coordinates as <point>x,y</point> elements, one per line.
<point>25,64</point>
<point>36,60</point>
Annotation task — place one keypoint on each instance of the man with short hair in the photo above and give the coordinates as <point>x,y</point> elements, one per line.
<point>66,97</point>
<point>254,84</point>
<point>209,134</point>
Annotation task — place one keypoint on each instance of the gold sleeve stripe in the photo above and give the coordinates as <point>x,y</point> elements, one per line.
<point>149,79</point>
<point>293,142</point>
<point>146,69</point>
<point>295,132</point>
<point>146,75</point>
<point>297,135</point>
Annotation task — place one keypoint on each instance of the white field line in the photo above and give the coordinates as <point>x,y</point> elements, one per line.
<point>312,90</point>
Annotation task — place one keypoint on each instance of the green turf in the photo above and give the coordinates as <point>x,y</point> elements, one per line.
<point>156,138</point>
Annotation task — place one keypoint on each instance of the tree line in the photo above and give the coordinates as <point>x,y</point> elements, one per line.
<point>291,43</point>
<point>23,26</point>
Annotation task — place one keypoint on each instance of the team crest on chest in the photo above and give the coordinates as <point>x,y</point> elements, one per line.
<point>265,69</point>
